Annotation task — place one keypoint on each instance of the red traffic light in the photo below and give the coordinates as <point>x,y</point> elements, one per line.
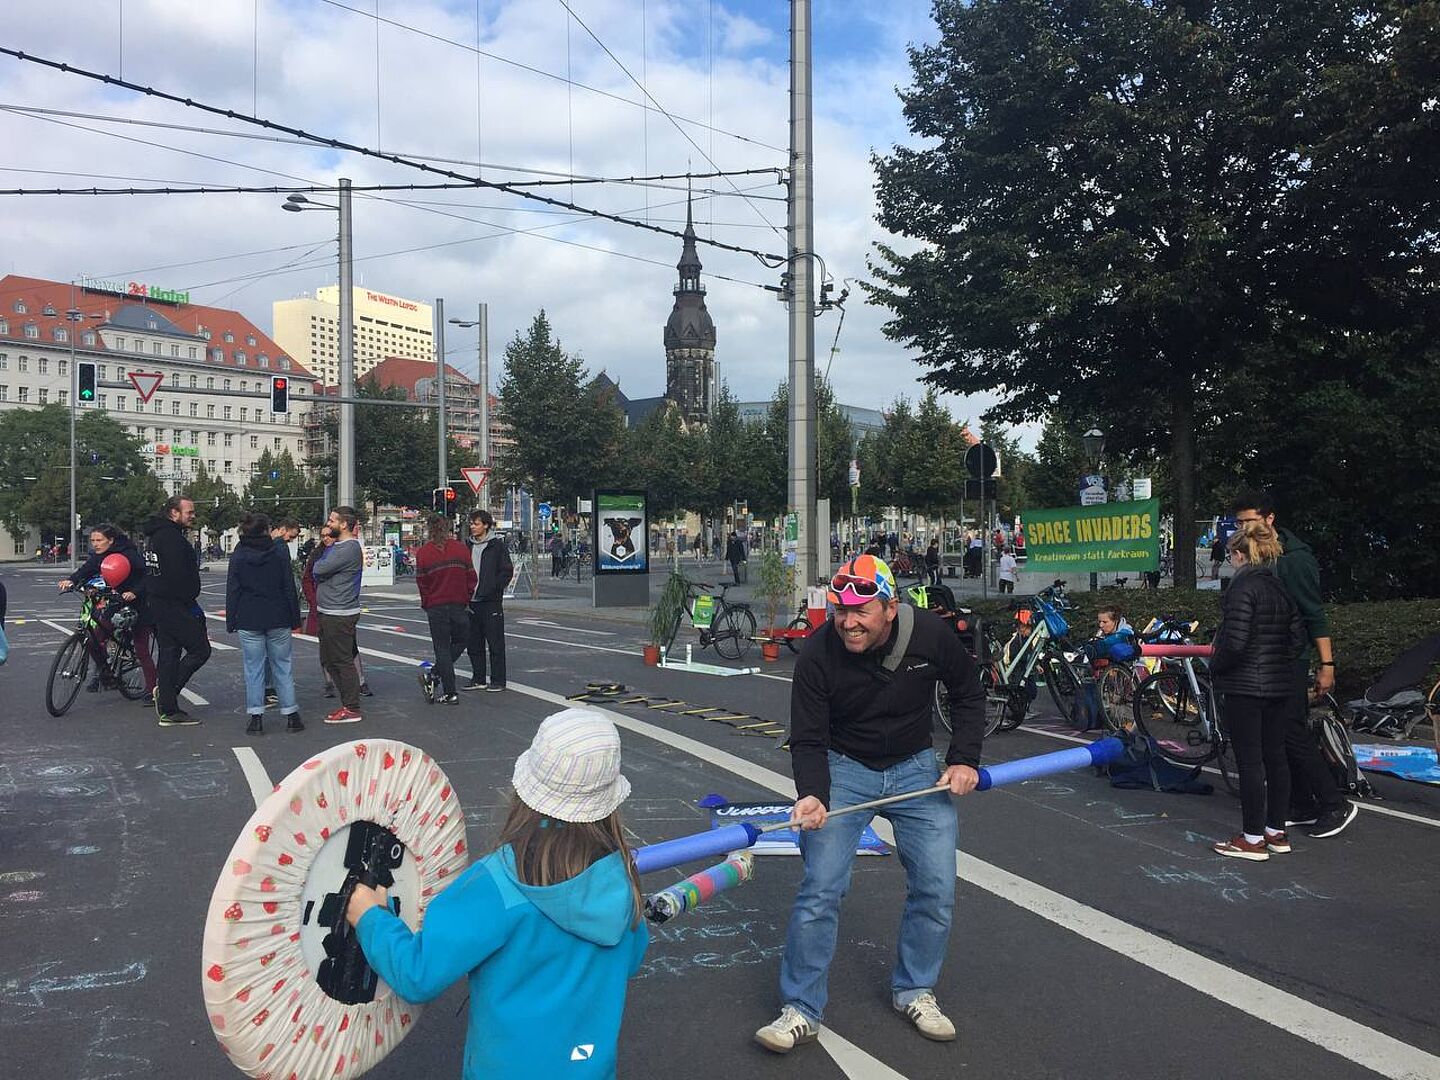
<point>279,383</point>
<point>449,494</point>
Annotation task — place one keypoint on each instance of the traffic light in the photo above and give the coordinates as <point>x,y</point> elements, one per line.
<point>85,373</point>
<point>437,500</point>
<point>450,498</point>
<point>279,394</point>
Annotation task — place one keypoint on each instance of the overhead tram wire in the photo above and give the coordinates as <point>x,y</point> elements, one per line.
<point>684,134</point>
<point>767,258</point>
<point>550,75</point>
<point>560,177</point>
<point>502,229</point>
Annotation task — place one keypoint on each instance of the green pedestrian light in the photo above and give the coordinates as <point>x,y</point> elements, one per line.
<point>85,372</point>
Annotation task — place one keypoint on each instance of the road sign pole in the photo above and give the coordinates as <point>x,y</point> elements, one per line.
<point>439,324</point>
<point>73,315</point>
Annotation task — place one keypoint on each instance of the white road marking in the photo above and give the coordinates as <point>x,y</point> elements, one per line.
<point>255,774</point>
<point>192,697</point>
<point>854,1062</point>
<point>570,629</point>
<point>66,630</point>
<point>223,647</point>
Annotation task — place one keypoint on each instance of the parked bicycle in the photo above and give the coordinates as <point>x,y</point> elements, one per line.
<point>1115,681</point>
<point>1176,708</point>
<point>71,667</point>
<point>728,625</point>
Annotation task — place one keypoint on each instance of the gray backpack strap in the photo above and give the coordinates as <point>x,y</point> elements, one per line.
<point>906,619</point>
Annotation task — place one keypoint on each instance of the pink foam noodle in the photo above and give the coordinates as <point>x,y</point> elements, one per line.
<point>1160,648</point>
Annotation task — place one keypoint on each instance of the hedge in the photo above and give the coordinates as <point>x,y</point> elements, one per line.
<point>1367,636</point>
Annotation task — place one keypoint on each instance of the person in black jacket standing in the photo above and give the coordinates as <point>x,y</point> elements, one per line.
<point>170,593</point>
<point>1259,636</point>
<point>860,729</point>
<point>262,604</point>
<point>493,570</point>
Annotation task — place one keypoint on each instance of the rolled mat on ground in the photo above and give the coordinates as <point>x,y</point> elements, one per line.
<point>707,845</point>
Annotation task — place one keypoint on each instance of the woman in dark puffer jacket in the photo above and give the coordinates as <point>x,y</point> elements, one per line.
<point>1256,644</point>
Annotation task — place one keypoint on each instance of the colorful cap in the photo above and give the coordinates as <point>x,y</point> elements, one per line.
<point>861,580</point>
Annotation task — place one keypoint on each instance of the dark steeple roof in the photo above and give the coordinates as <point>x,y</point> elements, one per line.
<point>689,325</point>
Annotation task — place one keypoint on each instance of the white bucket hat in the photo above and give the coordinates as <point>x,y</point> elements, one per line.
<point>572,770</point>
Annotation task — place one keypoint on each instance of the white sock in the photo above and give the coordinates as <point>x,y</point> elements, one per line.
<point>1252,839</point>
<point>1274,832</point>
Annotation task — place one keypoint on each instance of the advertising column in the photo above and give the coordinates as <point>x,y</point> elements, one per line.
<point>622,555</point>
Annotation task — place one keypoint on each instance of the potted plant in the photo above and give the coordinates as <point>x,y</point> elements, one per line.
<point>773,586</point>
<point>665,617</point>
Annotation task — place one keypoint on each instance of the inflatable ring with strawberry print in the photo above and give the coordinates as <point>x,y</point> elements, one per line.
<point>263,938</point>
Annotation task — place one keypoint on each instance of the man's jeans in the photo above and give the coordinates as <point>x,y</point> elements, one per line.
<point>275,649</point>
<point>925,836</point>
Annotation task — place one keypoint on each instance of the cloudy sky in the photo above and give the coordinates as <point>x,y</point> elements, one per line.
<point>411,82</point>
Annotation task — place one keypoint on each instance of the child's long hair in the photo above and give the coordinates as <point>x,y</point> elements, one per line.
<point>549,851</point>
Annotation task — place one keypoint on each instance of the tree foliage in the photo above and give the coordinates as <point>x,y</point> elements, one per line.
<point>280,488</point>
<point>113,480</point>
<point>1160,216</point>
<point>566,430</point>
<point>218,507</point>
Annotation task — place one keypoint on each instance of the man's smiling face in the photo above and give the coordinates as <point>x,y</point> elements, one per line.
<point>864,626</point>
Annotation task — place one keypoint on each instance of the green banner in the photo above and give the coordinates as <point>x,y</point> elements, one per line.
<point>704,613</point>
<point>1110,536</point>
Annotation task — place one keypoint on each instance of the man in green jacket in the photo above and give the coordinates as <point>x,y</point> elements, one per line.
<point>1315,798</point>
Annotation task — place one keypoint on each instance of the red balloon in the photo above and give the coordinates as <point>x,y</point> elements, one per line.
<point>114,568</point>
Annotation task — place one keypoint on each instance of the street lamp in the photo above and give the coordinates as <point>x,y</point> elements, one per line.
<point>483,322</point>
<point>345,471</point>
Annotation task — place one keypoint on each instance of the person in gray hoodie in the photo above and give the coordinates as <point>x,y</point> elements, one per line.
<point>493,571</point>
<point>337,599</point>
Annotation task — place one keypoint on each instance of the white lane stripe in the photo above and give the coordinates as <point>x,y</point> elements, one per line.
<point>223,647</point>
<point>192,697</point>
<point>1346,1038</point>
<point>66,630</point>
<point>854,1062</point>
<point>255,774</point>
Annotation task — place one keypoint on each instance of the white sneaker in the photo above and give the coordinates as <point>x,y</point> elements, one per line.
<point>924,1012</point>
<point>787,1031</point>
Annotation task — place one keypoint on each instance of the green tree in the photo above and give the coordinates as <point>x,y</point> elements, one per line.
<point>929,461</point>
<point>768,458</point>
<point>1012,492</point>
<point>665,456</point>
<point>113,480</point>
<point>396,449</point>
<point>725,457</point>
<point>881,459</point>
<point>1123,205</point>
<point>217,506</point>
<point>280,488</point>
<point>566,430</point>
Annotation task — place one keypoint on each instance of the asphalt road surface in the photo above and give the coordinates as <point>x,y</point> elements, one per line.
<point>1095,935</point>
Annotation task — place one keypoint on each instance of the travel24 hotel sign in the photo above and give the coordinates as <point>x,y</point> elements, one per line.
<point>1111,536</point>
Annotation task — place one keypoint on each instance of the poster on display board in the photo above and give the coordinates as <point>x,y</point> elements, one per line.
<point>379,567</point>
<point>620,521</point>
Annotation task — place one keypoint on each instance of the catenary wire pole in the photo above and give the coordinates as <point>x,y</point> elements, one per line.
<point>802,297</point>
<point>439,324</point>
<point>346,467</point>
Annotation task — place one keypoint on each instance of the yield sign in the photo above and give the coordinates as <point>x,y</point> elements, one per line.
<point>475,476</point>
<point>146,383</point>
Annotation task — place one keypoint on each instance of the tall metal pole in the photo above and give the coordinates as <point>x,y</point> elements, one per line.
<point>71,528</point>
<point>802,297</point>
<point>485,387</point>
<point>439,338</point>
<point>346,470</point>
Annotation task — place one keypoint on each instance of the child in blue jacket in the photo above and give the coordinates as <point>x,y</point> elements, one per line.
<point>547,927</point>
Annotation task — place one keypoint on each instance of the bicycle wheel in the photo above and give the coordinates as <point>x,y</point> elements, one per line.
<point>942,709</point>
<point>1115,686</point>
<point>800,623</point>
<point>128,672</point>
<point>1180,722</point>
<point>1225,762</point>
<point>1063,684</point>
<point>734,632</point>
<point>67,675</point>
<point>1004,709</point>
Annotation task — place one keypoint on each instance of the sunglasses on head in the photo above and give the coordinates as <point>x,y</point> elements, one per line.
<point>859,587</point>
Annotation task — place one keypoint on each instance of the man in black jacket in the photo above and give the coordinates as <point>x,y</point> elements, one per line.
<point>861,709</point>
<point>170,592</point>
<point>493,570</point>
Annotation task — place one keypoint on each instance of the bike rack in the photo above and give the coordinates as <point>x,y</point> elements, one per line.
<point>688,664</point>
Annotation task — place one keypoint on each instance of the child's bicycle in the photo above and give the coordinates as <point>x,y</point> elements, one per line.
<point>71,667</point>
<point>1176,708</point>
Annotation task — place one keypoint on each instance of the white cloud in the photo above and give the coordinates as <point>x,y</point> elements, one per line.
<point>317,71</point>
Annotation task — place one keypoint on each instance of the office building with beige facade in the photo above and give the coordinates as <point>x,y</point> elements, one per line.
<point>308,328</point>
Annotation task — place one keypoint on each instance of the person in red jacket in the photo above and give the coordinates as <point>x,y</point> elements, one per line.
<point>446,578</point>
